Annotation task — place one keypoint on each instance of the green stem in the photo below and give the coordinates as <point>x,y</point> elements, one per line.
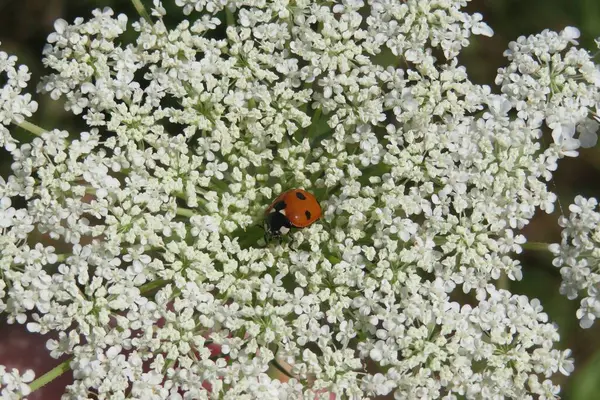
<point>51,375</point>
<point>229,17</point>
<point>28,126</point>
<point>314,122</point>
<point>503,282</point>
<point>185,212</point>
<point>535,246</point>
<point>150,286</point>
<point>139,7</point>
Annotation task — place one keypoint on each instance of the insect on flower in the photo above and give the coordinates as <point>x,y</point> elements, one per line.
<point>293,208</point>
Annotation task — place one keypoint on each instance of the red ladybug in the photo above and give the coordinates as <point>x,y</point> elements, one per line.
<point>293,208</point>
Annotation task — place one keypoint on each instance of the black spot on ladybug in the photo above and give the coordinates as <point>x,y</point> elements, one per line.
<point>307,213</point>
<point>280,205</point>
<point>300,195</point>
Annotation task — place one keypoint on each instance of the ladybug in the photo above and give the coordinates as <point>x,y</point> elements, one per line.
<point>293,208</point>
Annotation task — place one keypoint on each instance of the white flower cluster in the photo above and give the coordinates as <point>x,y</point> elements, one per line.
<point>157,282</point>
<point>550,79</point>
<point>578,257</point>
<point>13,385</point>
<point>14,106</point>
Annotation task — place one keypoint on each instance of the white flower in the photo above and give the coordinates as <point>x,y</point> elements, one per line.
<point>7,213</point>
<point>14,106</point>
<point>548,75</point>
<point>13,384</point>
<point>577,257</point>
<point>571,33</point>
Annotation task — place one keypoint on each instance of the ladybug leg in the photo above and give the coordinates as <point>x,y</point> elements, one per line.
<point>267,236</point>
<point>261,227</point>
<point>268,227</point>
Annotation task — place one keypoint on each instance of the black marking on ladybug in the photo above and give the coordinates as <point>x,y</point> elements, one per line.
<point>280,205</point>
<point>300,195</point>
<point>307,213</point>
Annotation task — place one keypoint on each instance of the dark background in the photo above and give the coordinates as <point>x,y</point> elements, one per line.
<point>25,24</point>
